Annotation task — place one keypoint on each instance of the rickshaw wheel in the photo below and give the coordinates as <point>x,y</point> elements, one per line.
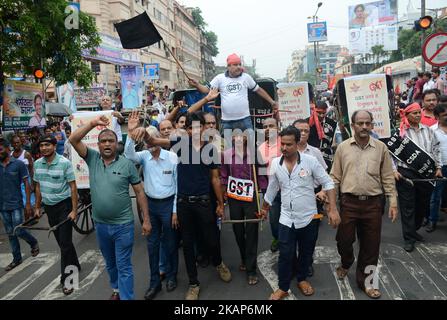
<point>84,221</point>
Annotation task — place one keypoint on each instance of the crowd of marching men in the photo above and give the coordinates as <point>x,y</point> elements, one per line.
<point>291,178</point>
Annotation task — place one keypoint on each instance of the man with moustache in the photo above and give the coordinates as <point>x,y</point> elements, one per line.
<point>160,186</point>
<point>430,100</point>
<point>363,173</point>
<point>110,177</point>
<point>295,174</point>
<point>56,190</point>
<point>234,86</point>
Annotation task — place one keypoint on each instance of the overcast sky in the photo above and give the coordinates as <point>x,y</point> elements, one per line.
<point>269,31</point>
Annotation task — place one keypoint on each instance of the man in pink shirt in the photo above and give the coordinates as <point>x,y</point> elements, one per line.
<point>269,150</point>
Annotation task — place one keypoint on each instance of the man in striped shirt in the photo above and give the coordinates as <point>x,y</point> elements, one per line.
<point>56,190</point>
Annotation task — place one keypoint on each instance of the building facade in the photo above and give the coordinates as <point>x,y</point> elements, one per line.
<point>181,37</point>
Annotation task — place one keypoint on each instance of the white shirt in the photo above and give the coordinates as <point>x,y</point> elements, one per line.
<point>298,204</point>
<point>234,95</point>
<point>33,122</point>
<point>116,127</point>
<point>430,84</point>
<point>316,153</point>
<point>441,136</point>
<point>160,175</point>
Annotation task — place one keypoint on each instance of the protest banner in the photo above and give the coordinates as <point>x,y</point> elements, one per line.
<point>80,168</point>
<point>405,150</point>
<point>369,92</point>
<point>131,87</point>
<point>293,99</point>
<point>88,98</point>
<point>23,105</point>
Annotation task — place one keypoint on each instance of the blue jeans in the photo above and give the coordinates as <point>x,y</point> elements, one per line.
<point>435,201</point>
<point>242,124</point>
<point>274,213</point>
<point>11,219</point>
<point>289,238</point>
<point>162,233</point>
<point>115,243</point>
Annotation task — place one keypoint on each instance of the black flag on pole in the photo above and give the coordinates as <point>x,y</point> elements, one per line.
<point>137,32</point>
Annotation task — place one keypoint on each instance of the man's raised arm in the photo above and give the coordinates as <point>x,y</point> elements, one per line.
<point>78,134</point>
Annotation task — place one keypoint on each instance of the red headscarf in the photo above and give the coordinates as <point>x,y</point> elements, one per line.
<point>404,124</point>
<point>313,120</point>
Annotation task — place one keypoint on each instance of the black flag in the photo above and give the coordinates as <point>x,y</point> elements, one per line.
<point>137,32</point>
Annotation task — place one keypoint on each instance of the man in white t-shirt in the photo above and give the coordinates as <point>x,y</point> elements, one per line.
<point>234,86</point>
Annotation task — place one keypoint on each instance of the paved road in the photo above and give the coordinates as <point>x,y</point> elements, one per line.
<point>419,275</point>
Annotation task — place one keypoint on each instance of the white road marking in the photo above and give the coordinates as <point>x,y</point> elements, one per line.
<point>53,291</point>
<point>266,261</point>
<point>435,251</point>
<point>46,260</point>
<point>344,287</point>
<point>388,282</point>
<point>396,253</point>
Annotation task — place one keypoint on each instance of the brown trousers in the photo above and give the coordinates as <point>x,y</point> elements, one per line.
<point>365,217</point>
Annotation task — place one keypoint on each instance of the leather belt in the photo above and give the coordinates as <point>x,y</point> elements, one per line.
<point>192,199</point>
<point>162,200</point>
<point>361,197</point>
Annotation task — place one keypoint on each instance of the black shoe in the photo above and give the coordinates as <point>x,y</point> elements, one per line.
<point>409,247</point>
<point>171,285</point>
<point>151,293</point>
<point>425,222</point>
<point>419,238</point>
<point>310,272</point>
<point>430,227</point>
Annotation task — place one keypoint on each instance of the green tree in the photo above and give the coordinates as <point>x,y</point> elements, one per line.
<point>33,34</point>
<point>308,77</point>
<point>198,19</point>
<point>211,38</point>
<point>377,52</point>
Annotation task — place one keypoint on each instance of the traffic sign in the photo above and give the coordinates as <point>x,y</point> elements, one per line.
<point>434,49</point>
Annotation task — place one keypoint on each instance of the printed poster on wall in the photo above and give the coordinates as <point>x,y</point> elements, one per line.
<point>369,92</point>
<point>293,101</point>
<point>89,98</point>
<point>23,105</point>
<point>131,87</point>
<point>66,95</point>
<point>80,168</point>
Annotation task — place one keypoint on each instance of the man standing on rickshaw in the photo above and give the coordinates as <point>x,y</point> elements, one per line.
<point>234,86</point>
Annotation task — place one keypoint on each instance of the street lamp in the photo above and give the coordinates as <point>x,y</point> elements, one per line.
<point>316,60</point>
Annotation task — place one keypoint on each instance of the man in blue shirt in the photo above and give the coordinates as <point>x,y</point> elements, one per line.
<point>160,186</point>
<point>12,173</point>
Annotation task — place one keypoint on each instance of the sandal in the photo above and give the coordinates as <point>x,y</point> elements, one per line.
<point>305,288</point>
<point>341,272</point>
<point>67,291</point>
<point>278,295</point>
<point>373,293</point>
<point>12,265</point>
<point>252,280</point>
<point>242,267</point>
<point>35,251</point>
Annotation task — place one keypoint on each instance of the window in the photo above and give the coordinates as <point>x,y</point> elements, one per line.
<point>164,74</point>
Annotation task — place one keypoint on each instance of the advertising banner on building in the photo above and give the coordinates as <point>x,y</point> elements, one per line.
<point>111,51</point>
<point>23,105</point>
<point>293,102</point>
<point>151,71</point>
<point>369,92</point>
<point>372,24</point>
<point>317,31</point>
<point>91,140</point>
<point>131,87</point>
<point>66,95</point>
<point>88,98</point>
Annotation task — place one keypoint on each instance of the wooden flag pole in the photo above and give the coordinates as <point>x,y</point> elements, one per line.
<point>175,58</point>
